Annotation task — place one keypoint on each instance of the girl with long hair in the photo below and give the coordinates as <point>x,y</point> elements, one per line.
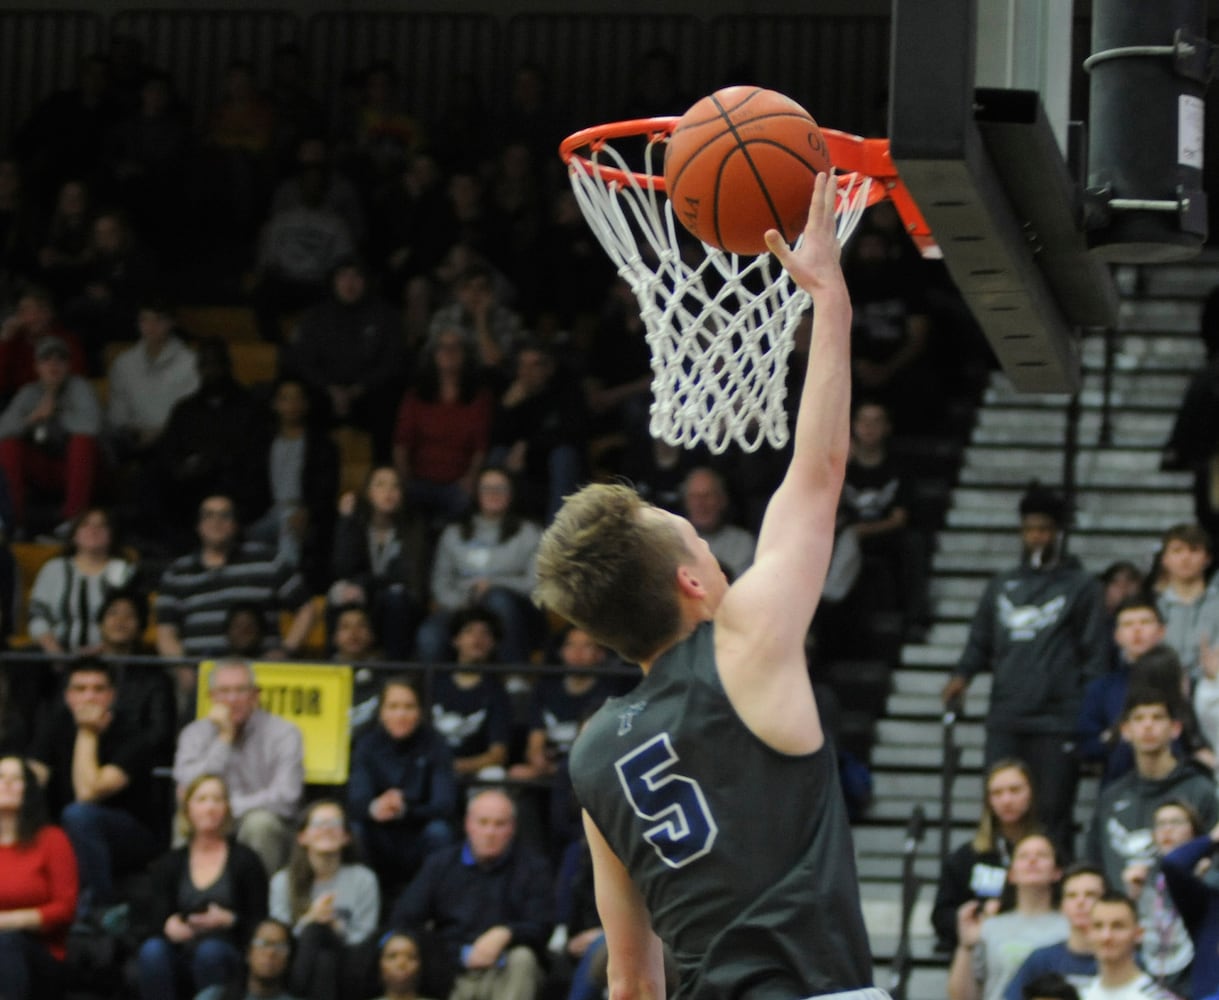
<point>978,869</point>
<point>331,902</point>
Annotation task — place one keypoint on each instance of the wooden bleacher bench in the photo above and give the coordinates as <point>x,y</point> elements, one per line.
<point>236,324</point>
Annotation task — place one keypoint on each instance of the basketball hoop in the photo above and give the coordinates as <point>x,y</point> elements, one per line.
<point>720,328</point>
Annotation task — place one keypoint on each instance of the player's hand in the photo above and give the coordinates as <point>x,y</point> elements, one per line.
<point>814,266</point>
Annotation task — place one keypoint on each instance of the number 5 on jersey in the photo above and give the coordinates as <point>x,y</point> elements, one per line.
<point>684,829</point>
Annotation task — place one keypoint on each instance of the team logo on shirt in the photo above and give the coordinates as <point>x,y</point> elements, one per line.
<point>1025,621</point>
<point>626,718</point>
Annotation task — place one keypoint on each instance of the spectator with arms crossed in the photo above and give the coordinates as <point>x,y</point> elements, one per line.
<point>725,709</point>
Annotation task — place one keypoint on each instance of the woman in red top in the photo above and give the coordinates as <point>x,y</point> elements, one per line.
<point>443,429</point>
<point>37,888</point>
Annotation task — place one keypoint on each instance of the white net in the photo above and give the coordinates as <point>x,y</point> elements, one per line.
<point>720,327</point>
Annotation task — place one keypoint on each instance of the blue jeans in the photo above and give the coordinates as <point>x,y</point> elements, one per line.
<point>161,963</point>
<point>582,985</point>
<point>106,841</point>
<point>27,970</point>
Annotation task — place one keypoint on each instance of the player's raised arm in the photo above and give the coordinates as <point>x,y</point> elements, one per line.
<point>763,620</point>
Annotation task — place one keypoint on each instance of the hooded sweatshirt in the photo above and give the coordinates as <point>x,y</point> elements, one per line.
<point>1041,632</point>
<point>1121,826</point>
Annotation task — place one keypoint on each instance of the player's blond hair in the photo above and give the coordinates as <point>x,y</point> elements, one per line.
<point>606,568</point>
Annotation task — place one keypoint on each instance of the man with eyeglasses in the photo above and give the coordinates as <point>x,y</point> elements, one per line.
<point>197,591</point>
<point>267,960</point>
<point>259,755</point>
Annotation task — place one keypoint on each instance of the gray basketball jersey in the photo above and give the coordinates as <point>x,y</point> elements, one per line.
<point>743,854</point>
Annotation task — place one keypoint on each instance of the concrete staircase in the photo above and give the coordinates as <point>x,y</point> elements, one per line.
<point>1123,504</point>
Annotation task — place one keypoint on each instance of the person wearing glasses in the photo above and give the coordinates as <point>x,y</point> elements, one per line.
<point>331,902</point>
<point>259,755</point>
<point>267,960</point>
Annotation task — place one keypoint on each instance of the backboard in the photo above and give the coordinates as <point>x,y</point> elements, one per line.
<point>980,132</point>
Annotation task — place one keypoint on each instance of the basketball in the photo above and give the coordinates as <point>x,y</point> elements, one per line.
<point>743,161</point>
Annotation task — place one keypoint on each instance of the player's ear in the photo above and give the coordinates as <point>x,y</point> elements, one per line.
<point>688,584</point>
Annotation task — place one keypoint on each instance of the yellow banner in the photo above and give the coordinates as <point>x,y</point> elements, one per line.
<point>314,696</point>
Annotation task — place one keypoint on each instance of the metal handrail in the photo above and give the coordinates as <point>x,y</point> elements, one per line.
<point>948,776</point>
<point>903,960</point>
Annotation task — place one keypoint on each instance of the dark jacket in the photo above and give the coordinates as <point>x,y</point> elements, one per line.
<point>1197,900</point>
<point>353,562</point>
<point>1041,633</point>
<point>420,766</point>
<point>249,889</point>
<point>965,874</point>
<point>1121,826</point>
<point>461,899</point>
<point>319,487</point>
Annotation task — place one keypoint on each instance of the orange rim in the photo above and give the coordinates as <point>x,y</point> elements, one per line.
<point>853,156</point>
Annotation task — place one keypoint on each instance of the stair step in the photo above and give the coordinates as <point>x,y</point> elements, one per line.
<point>1049,427</point>
<point>1193,279</point>
<point>884,756</point>
<point>998,550</point>
<point>1159,316</point>
<point>926,733</point>
<point>1159,351</point>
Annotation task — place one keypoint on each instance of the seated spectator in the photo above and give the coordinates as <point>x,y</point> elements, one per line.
<point>301,466</point>
<point>559,705</point>
<point>584,952</point>
<point>1196,898</point>
<point>618,380</point>
<point>215,442</point>
<point>401,966</point>
<point>33,320</point>
<point>876,502</point>
<point>538,432</point>
<point>991,948</point>
<point>349,352</point>
<point>380,559</point>
<point>37,888</point>
<point>245,631</point>
<point>49,434</point>
<point>147,156</point>
<point>145,690</point>
<point>340,196</point>
<point>490,907</point>
<point>197,590</point>
<point>331,903</point>
<point>353,640</point>
<point>1188,604</point>
<point>70,590</point>
<point>1082,885</point>
<point>147,380</point>
<point>97,767</point>
<point>1119,580</point>
<point>489,327</point>
<point>470,709</point>
<point>486,561</point>
<point>118,272</point>
<point>402,789</point>
<point>63,256</point>
<point>977,870</point>
<point>1115,939</point>
<point>207,896</point>
<point>1138,628</point>
<point>259,755</point>
<point>268,957</point>
<point>299,248</point>
<point>705,497</point>
<point>443,429</point>
<point>1121,829</point>
<point>561,702</point>
<point>1166,951</point>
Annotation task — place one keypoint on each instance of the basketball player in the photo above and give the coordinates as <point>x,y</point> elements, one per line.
<point>712,803</point>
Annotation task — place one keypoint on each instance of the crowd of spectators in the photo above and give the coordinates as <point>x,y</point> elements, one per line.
<point>1113,674</point>
<point>431,285</point>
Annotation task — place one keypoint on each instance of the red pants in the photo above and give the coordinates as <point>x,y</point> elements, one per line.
<point>25,465</point>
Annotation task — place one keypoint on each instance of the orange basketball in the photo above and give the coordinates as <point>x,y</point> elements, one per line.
<point>743,161</point>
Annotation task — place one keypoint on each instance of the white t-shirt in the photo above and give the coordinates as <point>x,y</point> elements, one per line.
<point>1142,987</point>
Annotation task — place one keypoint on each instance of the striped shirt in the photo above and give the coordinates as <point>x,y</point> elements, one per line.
<point>195,598</point>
